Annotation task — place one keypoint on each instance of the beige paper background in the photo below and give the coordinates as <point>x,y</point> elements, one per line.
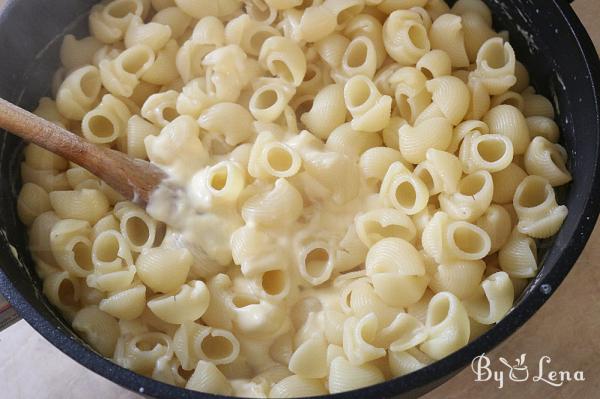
<point>566,328</point>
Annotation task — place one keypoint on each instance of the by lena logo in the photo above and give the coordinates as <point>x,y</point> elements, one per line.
<point>520,372</point>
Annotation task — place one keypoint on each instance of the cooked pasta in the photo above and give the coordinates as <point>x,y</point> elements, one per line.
<point>363,183</point>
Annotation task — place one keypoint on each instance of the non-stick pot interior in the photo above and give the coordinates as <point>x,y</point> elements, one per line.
<point>544,35</point>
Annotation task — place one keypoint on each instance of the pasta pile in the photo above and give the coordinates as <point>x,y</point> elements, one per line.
<point>367,179</point>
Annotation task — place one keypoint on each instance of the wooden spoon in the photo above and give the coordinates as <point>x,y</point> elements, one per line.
<point>135,179</point>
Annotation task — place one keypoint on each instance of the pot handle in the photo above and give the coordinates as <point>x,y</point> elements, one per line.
<point>8,316</point>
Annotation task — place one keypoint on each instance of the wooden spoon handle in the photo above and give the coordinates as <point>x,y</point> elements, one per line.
<point>133,178</point>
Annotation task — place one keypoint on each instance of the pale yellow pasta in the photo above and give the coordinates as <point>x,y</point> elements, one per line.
<point>360,58</point>
<point>335,172</point>
<point>447,326</point>
<point>535,203</point>
<point>459,277</point>
<point>522,76</point>
<point>137,131</point>
<point>452,96</point>
<point>315,262</point>
<point>344,10</point>
<point>109,21</point>
<point>270,99</point>
<point>478,7</point>
<point>217,119</point>
<point>202,8</point>
<point>480,97</point>
<point>39,236</point>
<point>164,69</point>
<point>378,224</point>
<point>309,360</point>
<point>160,108</point>
<point>352,142</point>
<point>107,122</point>
<point>497,223</point>
<point>188,303</point>
<point>152,34</point>
<point>358,339</point>
<point>359,298</point>
<point>173,17</point>
<point>447,34</point>
<point>543,126</point>
<point>466,127</point>
<point>343,376</point>
<point>121,75</point>
<point>163,270</point>
<point>71,246</point>
<point>78,92</point>
<point>62,290</point>
<point>364,182</point>
<point>48,110</point>
<point>351,250</point>
<point>416,140</point>
<point>76,175</point>
<point>228,71</point>
<point>271,158</point>
<point>218,184</point>
<point>496,66</point>
<point>194,98</point>
<point>143,351</point>
<point>493,301</point>
<point>440,171</point>
<point>99,329</point>
<point>33,200</point>
<point>207,378</point>
<point>435,64</point>
<point>296,386</point>
<point>128,304</point>
<point>193,342</point>
<point>508,98</point>
<point>370,110</point>
<point>510,122</point>
<point>368,26</point>
<point>331,49</point>
<point>537,105</point>
<point>283,58</point>
<point>547,160</point>
<point>397,272</point>
<point>444,239</point>
<point>111,253</point>
<point>403,190</point>
<point>477,31</point>
<point>77,53</point>
<point>506,182</point>
<point>316,77</point>
<point>491,152</point>
<point>435,8</point>
<point>410,92</point>
<point>178,147</point>
<point>405,37</point>
<point>472,198</point>
<point>283,203</point>
<point>518,257</point>
<point>83,204</point>
<point>375,162</point>
<point>404,333</point>
<point>48,179</point>
<point>137,227</point>
<point>402,363</point>
<point>327,111</point>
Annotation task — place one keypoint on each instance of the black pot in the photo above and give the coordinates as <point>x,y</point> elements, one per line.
<point>549,40</point>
